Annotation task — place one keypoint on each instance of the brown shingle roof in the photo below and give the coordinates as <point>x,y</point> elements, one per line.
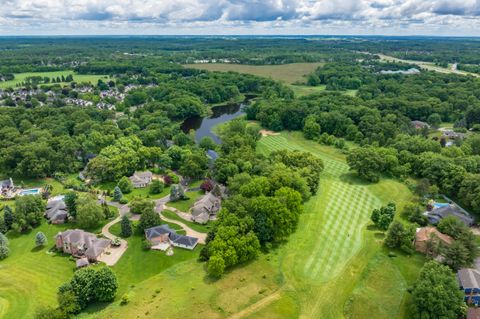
<point>425,233</point>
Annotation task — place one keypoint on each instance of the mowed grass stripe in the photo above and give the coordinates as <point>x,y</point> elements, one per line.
<point>335,216</point>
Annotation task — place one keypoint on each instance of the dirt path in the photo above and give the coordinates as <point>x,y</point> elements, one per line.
<point>257,306</point>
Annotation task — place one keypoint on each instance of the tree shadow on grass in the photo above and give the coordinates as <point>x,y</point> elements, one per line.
<point>208,279</point>
<point>379,235</point>
<point>37,249</point>
<point>353,179</point>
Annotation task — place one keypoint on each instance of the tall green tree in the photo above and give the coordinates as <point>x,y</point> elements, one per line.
<point>435,294</point>
<point>125,184</point>
<point>8,216</point>
<point>71,203</point>
<point>149,218</point>
<point>117,194</point>
<point>89,213</point>
<point>29,212</point>
<point>126,227</point>
<point>40,239</point>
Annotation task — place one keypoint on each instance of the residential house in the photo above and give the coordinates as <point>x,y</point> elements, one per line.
<point>162,237</point>
<point>7,187</point>
<point>424,235</point>
<point>57,212</point>
<point>469,282</point>
<point>206,208</point>
<point>442,210</point>
<point>141,179</point>
<point>453,135</point>
<point>419,125</point>
<point>79,243</point>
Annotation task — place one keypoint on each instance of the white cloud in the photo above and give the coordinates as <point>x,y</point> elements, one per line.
<point>239,16</point>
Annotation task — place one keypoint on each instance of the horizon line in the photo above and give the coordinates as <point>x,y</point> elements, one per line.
<point>238,35</point>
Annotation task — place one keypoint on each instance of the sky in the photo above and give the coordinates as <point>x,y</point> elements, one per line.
<point>240,17</point>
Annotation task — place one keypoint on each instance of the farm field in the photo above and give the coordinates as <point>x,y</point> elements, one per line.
<point>287,73</point>
<point>20,77</point>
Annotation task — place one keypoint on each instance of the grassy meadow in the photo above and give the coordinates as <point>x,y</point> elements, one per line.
<point>331,264</point>
<point>286,73</point>
<point>290,74</point>
<point>20,77</point>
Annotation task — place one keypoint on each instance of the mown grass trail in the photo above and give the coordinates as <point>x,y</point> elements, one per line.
<point>330,264</point>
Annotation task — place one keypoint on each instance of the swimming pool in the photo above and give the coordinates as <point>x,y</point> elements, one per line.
<point>32,191</point>
<point>440,204</point>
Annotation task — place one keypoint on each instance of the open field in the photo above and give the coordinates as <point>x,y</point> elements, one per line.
<point>327,264</point>
<point>30,277</point>
<point>287,73</point>
<point>183,291</point>
<point>20,77</point>
<point>185,205</point>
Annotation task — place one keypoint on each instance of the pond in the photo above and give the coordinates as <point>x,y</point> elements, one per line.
<point>203,125</point>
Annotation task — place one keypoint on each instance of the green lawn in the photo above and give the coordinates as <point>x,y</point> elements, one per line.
<point>136,192</point>
<point>29,278</point>
<point>198,227</point>
<point>185,205</point>
<point>328,263</point>
<point>302,90</point>
<point>287,73</point>
<point>20,77</point>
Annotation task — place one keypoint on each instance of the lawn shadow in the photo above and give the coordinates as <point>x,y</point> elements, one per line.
<point>98,306</point>
<point>37,249</point>
<point>353,179</point>
<point>379,235</point>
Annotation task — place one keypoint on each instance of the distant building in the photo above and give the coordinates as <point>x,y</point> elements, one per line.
<point>206,208</point>
<point>469,282</point>
<point>7,187</point>
<point>57,212</point>
<point>162,237</point>
<point>425,234</point>
<point>79,243</point>
<point>141,179</point>
<point>419,125</point>
<point>453,135</point>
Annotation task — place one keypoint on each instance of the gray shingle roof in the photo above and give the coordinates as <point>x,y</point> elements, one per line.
<point>469,278</point>
<point>452,209</point>
<point>175,238</point>
<point>56,209</point>
<point>6,183</point>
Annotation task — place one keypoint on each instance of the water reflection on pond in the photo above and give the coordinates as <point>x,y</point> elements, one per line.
<point>203,125</point>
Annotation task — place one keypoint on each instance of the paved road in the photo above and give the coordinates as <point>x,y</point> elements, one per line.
<point>115,253</point>
<point>160,205</point>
